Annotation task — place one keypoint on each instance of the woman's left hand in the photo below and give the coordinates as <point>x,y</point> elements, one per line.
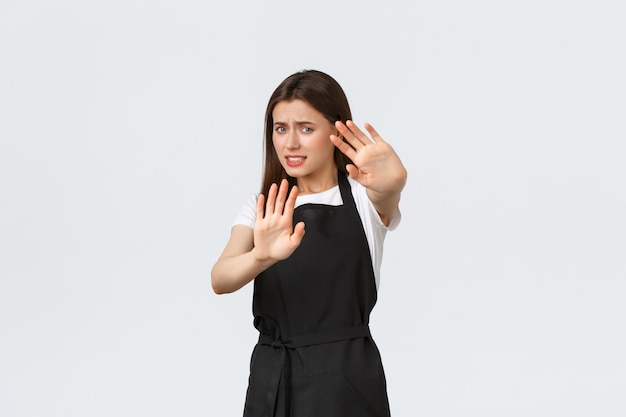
<point>376,165</point>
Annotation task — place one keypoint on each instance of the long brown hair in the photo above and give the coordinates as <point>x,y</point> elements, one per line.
<point>325,95</point>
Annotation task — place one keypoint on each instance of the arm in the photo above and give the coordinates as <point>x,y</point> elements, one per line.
<point>376,166</point>
<point>237,265</point>
<point>251,251</point>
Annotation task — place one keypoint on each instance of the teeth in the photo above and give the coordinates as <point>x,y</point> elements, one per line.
<point>295,159</point>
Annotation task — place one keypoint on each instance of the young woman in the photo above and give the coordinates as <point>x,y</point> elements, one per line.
<point>312,243</point>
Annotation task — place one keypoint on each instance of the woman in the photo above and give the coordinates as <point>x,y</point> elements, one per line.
<point>315,283</point>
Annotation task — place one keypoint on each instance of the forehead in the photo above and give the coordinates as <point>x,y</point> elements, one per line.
<point>295,110</point>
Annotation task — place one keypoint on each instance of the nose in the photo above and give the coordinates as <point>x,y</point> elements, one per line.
<point>293,141</point>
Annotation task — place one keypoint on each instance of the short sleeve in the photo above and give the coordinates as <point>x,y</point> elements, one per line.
<point>394,219</point>
<point>247,212</point>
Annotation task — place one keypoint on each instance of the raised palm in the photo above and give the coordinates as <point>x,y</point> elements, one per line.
<point>275,238</point>
<point>376,165</point>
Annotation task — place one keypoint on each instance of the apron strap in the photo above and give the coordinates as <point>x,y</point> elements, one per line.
<point>283,361</point>
<point>338,335</point>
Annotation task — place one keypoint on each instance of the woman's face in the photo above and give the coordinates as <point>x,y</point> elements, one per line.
<point>301,137</point>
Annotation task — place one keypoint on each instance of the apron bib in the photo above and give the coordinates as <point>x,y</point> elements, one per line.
<point>315,356</point>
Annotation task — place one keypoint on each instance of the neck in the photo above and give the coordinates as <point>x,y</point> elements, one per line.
<point>307,185</point>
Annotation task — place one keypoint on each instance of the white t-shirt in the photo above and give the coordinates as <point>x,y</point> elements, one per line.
<point>375,230</point>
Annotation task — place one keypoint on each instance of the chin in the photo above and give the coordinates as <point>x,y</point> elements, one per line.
<point>292,172</point>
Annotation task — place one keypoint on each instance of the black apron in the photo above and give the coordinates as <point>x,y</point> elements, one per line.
<point>315,356</point>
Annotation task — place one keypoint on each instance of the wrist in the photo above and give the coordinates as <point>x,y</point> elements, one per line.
<point>262,260</point>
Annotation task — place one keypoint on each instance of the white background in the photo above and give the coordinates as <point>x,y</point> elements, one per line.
<point>131,131</point>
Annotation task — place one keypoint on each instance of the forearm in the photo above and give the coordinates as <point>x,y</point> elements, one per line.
<point>386,201</point>
<point>231,273</point>
<point>386,207</point>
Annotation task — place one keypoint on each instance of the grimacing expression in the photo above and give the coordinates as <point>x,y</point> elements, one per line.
<point>301,138</point>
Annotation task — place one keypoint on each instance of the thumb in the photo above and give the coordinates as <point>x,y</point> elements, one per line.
<point>298,233</point>
<point>353,172</point>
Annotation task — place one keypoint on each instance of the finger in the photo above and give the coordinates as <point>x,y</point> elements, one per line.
<point>291,201</point>
<point>282,196</point>
<point>298,234</point>
<point>358,133</point>
<point>343,146</point>
<point>375,136</point>
<point>271,199</point>
<point>354,173</point>
<point>260,205</point>
<point>353,135</point>
<point>349,136</point>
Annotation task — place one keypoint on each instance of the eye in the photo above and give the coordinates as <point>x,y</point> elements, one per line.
<point>280,129</point>
<point>307,129</point>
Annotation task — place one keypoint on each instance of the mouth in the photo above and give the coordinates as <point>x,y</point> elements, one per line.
<point>295,161</point>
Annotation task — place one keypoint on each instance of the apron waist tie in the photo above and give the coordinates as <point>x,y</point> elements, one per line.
<point>283,364</point>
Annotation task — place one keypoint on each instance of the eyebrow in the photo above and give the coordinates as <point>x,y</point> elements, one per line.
<point>298,122</point>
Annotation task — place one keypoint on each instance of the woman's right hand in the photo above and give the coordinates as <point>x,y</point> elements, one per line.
<point>275,238</point>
